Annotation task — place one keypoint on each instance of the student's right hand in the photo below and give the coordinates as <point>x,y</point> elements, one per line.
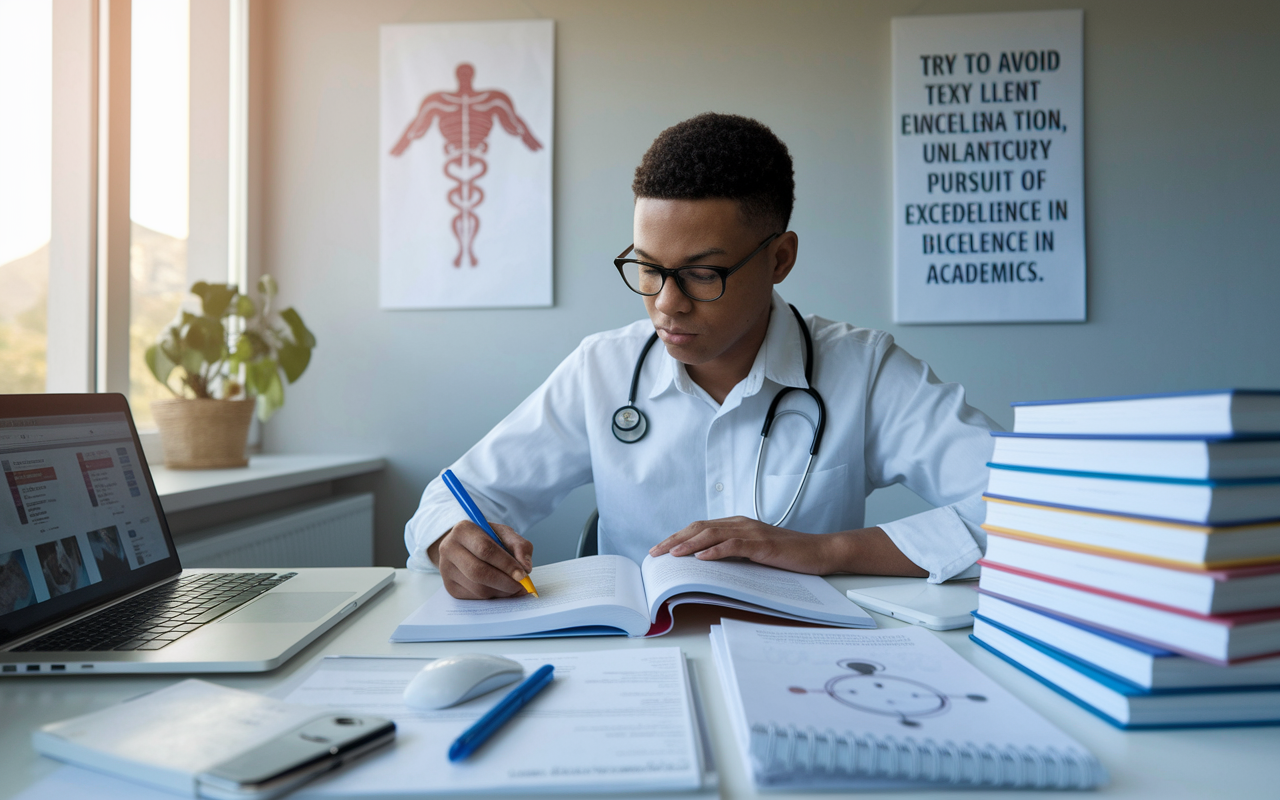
<point>475,568</point>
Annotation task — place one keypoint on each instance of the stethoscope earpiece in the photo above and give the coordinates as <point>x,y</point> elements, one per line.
<point>629,424</point>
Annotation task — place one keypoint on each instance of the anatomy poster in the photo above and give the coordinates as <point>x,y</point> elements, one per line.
<point>988,168</point>
<point>465,160</point>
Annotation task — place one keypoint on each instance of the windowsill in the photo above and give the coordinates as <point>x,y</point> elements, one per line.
<point>180,490</point>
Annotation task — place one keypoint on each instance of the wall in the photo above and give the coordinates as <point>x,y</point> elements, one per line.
<point>1180,114</point>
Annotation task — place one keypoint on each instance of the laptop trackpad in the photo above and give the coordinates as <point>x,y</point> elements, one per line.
<point>289,607</point>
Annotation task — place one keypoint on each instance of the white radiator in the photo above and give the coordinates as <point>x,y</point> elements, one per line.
<point>331,533</point>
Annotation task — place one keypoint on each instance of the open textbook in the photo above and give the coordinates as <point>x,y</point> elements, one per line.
<point>898,708</point>
<point>611,595</point>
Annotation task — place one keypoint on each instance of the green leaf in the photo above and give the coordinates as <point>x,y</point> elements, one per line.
<point>215,298</point>
<point>300,333</point>
<point>207,337</point>
<point>257,376</point>
<point>159,363</point>
<point>293,360</point>
<point>245,307</point>
<point>271,400</point>
<point>249,347</point>
<point>191,361</point>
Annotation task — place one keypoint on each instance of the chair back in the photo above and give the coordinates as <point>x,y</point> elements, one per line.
<point>588,542</point>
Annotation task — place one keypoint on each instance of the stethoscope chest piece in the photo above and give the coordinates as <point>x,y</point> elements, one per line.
<point>629,424</point>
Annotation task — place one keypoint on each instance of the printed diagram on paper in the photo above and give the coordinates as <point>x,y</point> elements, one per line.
<point>465,117</point>
<point>465,146</point>
<point>868,687</point>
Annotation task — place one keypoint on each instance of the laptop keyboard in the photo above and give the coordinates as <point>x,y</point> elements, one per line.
<point>161,616</point>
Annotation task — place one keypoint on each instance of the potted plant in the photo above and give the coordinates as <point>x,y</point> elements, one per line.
<point>226,360</point>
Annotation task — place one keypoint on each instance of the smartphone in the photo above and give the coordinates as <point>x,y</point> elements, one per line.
<point>296,757</point>
<point>936,606</point>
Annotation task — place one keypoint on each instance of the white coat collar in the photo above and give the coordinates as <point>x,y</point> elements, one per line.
<point>780,359</point>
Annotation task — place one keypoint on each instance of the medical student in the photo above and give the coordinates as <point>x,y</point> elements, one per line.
<point>672,439</point>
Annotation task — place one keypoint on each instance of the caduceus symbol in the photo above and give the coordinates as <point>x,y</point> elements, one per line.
<point>466,117</point>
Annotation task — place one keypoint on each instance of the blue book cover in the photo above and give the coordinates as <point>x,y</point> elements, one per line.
<point>1132,644</point>
<point>1113,476</point>
<point>1108,681</point>
<point>1111,681</point>
<point>1200,393</point>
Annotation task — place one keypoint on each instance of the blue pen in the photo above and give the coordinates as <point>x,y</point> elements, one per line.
<point>473,511</point>
<point>478,734</point>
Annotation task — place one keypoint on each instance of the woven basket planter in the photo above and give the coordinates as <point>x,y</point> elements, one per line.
<point>203,434</point>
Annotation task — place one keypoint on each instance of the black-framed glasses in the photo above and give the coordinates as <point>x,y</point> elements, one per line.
<point>698,282</point>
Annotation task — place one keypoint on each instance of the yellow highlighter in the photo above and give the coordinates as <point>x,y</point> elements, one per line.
<point>473,511</point>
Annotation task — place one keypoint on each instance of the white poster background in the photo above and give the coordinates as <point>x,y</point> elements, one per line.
<point>513,243</point>
<point>982,290</point>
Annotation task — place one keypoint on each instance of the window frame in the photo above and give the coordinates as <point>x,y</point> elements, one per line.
<point>89,276</point>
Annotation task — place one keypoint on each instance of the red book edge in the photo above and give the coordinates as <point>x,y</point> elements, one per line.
<point>1227,620</point>
<point>1126,634</point>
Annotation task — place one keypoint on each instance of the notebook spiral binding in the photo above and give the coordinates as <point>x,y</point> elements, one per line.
<point>785,752</point>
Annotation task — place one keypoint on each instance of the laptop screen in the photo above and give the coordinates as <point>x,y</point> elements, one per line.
<point>79,523</point>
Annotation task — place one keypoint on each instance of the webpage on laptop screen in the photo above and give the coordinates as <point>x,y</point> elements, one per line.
<point>77,512</point>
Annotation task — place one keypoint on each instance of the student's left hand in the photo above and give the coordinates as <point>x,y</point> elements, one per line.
<point>868,551</point>
<point>743,537</point>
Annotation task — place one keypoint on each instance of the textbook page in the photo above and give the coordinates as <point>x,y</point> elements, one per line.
<point>592,591</point>
<point>614,720</point>
<point>799,596</point>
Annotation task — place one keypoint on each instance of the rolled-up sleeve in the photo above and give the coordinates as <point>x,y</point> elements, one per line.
<point>923,434</point>
<point>520,470</point>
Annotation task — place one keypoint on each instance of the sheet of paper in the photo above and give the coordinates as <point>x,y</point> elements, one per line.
<point>615,720</point>
<point>808,595</point>
<point>888,685</point>
<point>564,588</point>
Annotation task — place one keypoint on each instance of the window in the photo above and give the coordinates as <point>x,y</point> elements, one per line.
<point>123,175</point>
<point>26,97</point>
<point>159,171</point>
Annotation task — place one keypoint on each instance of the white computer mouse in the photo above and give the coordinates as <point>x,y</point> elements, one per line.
<point>456,679</point>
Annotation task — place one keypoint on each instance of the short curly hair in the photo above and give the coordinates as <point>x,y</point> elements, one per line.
<point>722,156</point>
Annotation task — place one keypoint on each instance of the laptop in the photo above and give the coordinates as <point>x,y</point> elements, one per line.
<point>90,580</point>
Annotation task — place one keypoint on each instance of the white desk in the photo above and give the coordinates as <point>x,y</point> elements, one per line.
<point>1230,762</point>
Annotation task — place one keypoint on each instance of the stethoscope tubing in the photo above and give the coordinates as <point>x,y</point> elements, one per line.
<point>630,423</point>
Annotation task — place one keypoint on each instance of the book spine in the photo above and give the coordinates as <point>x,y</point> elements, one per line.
<point>785,754</point>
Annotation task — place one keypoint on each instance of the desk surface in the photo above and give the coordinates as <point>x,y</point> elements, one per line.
<point>1228,762</point>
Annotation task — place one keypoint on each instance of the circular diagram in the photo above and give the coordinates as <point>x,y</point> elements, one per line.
<point>865,687</point>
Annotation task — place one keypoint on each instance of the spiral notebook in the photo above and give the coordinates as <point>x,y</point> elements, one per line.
<point>825,708</point>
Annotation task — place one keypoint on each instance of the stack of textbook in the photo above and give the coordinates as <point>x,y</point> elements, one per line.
<point>1133,558</point>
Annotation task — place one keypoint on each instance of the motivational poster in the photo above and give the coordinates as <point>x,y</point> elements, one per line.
<point>988,168</point>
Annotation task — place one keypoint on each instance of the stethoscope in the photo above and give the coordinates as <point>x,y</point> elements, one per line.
<point>630,424</point>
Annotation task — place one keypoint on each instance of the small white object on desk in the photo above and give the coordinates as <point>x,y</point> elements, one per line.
<point>456,679</point>
<point>936,606</point>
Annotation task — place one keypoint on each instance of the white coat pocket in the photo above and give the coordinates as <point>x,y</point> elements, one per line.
<point>822,506</point>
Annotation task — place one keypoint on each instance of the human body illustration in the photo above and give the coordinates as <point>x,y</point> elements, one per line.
<point>466,116</point>
<point>865,688</point>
